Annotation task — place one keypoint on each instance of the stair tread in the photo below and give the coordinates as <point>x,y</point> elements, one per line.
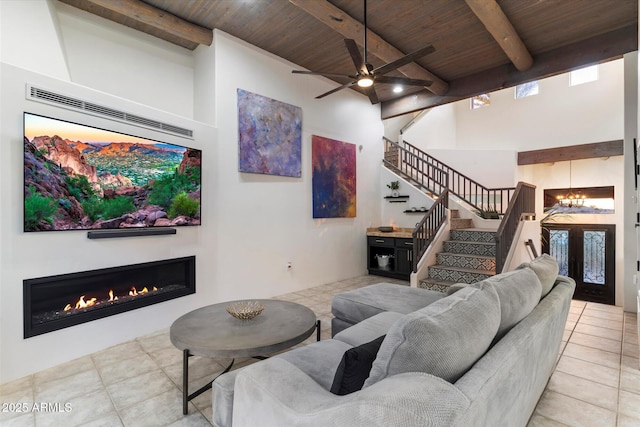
<point>467,255</point>
<point>481,230</point>
<point>464,270</point>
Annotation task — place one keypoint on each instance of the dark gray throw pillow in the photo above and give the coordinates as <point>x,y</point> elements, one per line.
<point>354,367</point>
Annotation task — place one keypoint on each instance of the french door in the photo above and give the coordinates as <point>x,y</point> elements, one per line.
<point>586,253</point>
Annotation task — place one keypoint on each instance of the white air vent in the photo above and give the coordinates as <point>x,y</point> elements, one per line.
<point>48,97</point>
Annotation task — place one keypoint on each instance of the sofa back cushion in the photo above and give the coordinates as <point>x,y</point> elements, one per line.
<point>518,292</point>
<point>546,268</point>
<point>443,339</point>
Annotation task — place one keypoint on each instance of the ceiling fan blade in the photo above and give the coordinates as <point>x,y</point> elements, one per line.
<point>352,47</point>
<point>321,73</point>
<point>371,93</point>
<point>402,81</point>
<point>344,86</point>
<point>404,60</point>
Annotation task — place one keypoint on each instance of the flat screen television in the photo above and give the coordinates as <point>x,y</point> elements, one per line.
<point>79,177</point>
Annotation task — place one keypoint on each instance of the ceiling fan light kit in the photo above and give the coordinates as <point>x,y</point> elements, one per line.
<point>365,82</point>
<point>366,75</point>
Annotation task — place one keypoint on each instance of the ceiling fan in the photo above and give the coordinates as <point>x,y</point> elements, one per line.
<point>366,75</point>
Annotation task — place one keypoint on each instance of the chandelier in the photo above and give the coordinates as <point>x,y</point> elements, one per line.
<point>571,199</point>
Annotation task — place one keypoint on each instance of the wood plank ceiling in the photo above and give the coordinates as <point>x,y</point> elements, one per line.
<point>481,45</point>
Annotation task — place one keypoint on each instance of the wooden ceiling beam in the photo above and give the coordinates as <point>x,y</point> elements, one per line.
<point>147,16</point>
<point>496,22</point>
<point>350,28</point>
<point>602,48</point>
<point>573,152</point>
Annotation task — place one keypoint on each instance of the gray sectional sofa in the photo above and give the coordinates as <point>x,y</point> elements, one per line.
<point>480,356</point>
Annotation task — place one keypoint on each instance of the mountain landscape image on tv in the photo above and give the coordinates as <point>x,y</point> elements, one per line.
<point>79,177</point>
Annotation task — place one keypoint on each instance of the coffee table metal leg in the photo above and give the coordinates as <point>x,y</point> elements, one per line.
<point>186,397</point>
<point>318,330</point>
<point>185,381</point>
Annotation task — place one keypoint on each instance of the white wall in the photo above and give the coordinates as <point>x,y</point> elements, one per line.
<point>112,58</point>
<point>483,143</point>
<point>30,38</point>
<point>266,221</point>
<point>393,213</point>
<point>252,224</point>
<point>436,129</point>
<point>31,255</point>
<point>587,173</point>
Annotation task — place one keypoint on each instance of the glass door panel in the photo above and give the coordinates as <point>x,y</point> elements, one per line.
<point>559,249</point>
<point>594,268</point>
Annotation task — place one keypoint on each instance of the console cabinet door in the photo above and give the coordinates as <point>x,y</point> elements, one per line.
<point>404,256</point>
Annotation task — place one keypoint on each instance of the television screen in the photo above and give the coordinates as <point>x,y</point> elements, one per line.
<point>78,177</point>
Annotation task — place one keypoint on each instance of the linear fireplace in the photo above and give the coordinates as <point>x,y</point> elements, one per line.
<point>56,302</point>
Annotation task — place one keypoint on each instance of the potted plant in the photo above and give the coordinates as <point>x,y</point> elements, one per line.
<point>394,186</point>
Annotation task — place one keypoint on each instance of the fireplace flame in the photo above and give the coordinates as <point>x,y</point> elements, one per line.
<point>81,303</point>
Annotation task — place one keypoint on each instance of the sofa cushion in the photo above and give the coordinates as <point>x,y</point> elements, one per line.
<point>518,292</point>
<point>546,268</point>
<point>443,339</point>
<point>357,305</point>
<point>355,366</point>
<point>369,329</point>
<point>222,398</point>
<point>318,360</point>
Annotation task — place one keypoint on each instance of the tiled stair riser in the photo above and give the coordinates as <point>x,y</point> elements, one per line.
<point>472,236</point>
<point>438,273</point>
<point>466,261</point>
<point>484,249</point>
<point>466,250</point>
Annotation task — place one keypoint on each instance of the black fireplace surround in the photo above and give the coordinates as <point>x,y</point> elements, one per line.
<point>57,302</point>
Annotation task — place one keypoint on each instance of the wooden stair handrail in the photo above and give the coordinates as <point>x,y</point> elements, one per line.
<point>426,230</point>
<point>521,205</point>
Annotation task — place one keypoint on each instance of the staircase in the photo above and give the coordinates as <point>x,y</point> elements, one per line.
<point>463,259</point>
<point>468,256</point>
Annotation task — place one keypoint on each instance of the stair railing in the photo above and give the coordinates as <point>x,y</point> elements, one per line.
<point>418,166</point>
<point>426,230</point>
<point>425,175</point>
<point>522,205</point>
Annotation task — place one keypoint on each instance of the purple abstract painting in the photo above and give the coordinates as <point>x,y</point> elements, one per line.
<point>334,178</point>
<point>270,136</point>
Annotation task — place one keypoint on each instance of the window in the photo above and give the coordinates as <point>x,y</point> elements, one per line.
<point>586,200</point>
<point>527,89</point>
<point>479,101</point>
<point>584,75</point>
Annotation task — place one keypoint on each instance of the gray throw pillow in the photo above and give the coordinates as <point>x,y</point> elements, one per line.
<point>519,293</point>
<point>443,339</point>
<point>546,268</point>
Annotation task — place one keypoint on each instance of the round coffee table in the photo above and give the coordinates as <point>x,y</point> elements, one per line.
<point>212,332</point>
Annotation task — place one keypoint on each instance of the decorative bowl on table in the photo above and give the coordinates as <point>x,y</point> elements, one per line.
<point>245,310</point>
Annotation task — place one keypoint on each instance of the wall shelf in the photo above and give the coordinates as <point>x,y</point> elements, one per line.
<point>409,211</point>
<point>397,199</point>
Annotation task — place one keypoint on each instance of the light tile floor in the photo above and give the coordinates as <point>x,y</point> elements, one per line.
<point>139,383</point>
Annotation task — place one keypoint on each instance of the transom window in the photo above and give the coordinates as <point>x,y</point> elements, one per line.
<point>479,101</point>
<point>584,75</point>
<point>527,89</point>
